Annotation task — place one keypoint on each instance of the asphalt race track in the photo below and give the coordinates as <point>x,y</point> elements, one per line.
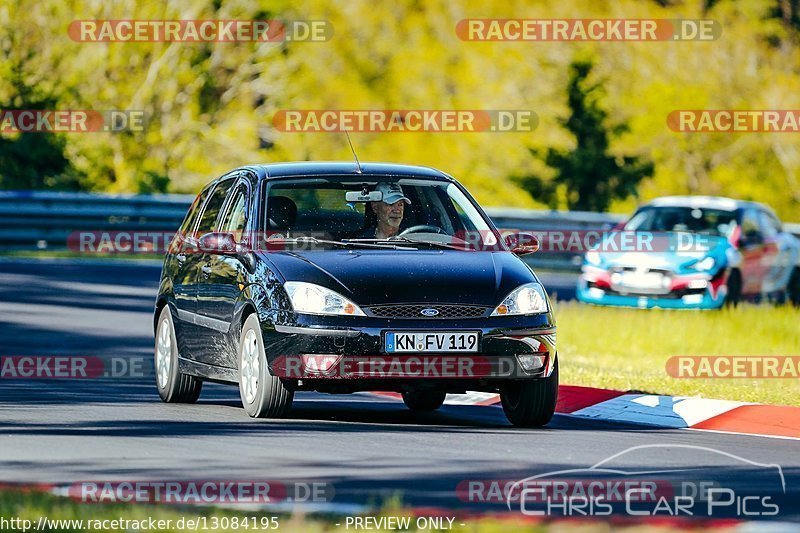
<point>366,448</point>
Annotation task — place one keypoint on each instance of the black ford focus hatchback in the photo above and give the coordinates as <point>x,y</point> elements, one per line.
<point>339,277</point>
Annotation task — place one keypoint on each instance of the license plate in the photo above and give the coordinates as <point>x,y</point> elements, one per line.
<point>437,342</point>
<point>642,280</point>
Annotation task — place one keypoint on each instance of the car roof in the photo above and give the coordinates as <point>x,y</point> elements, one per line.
<point>331,168</point>
<point>709,202</point>
<point>344,168</point>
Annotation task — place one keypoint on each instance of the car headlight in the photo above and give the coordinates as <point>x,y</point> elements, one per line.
<point>315,300</point>
<point>526,299</point>
<point>593,257</point>
<point>704,264</point>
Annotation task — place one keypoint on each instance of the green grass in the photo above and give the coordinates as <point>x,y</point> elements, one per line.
<point>627,349</point>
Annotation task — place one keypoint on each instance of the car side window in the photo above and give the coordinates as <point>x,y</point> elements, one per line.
<point>236,215</point>
<point>189,221</point>
<point>193,212</point>
<point>751,228</point>
<point>208,220</point>
<point>769,225</point>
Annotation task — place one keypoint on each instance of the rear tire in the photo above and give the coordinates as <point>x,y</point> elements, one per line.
<point>263,395</point>
<point>421,401</point>
<point>734,286</point>
<point>531,403</point>
<point>173,385</point>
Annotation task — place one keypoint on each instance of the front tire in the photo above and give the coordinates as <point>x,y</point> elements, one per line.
<point>263,395</point>
<point>421,401</point>
<point>531,403</point>
<point>734,286</point>
<point>173,385</point>
<point>793,290</point>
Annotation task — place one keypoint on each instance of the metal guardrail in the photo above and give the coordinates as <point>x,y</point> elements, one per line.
<point>44,220</point>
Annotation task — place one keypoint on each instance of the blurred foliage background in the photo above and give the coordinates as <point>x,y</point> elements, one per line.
<point>209,106</point>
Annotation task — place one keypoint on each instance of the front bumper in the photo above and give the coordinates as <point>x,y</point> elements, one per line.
<point>693,291</point>
<point>329,353</point>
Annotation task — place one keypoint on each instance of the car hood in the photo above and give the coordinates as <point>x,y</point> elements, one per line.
<point>371,277</point>
<point>660,258</point>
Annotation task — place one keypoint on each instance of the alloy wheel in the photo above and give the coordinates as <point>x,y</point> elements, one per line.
<point>163,354</point>
<point>251,366</point>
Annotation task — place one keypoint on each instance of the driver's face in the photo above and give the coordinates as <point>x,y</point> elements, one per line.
<point>389,215</point>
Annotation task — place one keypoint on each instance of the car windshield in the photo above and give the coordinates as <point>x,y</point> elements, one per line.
<point>683,219</point>
<point>412,213</point>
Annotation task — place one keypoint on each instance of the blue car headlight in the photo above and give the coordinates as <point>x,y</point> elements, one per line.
<point>593,257</point>
<point>704,264</point>
<point>526,299</point>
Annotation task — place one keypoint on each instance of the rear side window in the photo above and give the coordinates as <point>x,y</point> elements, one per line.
<point>188,221</point>
<point>193,213</point>
<point>208,220</point>
<point>236,216</point>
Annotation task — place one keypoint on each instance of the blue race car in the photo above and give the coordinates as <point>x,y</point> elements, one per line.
<point>693,252</point>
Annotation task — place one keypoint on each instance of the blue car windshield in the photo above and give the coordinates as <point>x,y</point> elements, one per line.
<point>683,219</point>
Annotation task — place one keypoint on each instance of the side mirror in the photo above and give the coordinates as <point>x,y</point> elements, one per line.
<point>521,243</point>
<point>218,242</point>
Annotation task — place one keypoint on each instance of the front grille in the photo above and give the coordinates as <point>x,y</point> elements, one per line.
<point>416,311</point>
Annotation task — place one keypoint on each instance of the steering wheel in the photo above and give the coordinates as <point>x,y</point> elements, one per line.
<point>427,228</point>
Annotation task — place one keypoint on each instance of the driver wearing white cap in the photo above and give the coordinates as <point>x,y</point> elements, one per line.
<point>388,212</point>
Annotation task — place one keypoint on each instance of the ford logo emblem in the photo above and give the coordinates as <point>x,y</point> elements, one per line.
<point>429,312</point>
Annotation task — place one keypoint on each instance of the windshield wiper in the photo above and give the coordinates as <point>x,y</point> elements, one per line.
<point>343,243</point>
<point>410,241</point>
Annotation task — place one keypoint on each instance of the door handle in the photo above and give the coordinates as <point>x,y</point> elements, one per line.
<point>206,270</point>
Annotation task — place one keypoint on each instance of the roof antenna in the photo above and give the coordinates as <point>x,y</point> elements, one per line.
<point>358,165</point>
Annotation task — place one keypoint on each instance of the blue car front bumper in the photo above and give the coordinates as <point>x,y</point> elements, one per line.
<point>597,296</point>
